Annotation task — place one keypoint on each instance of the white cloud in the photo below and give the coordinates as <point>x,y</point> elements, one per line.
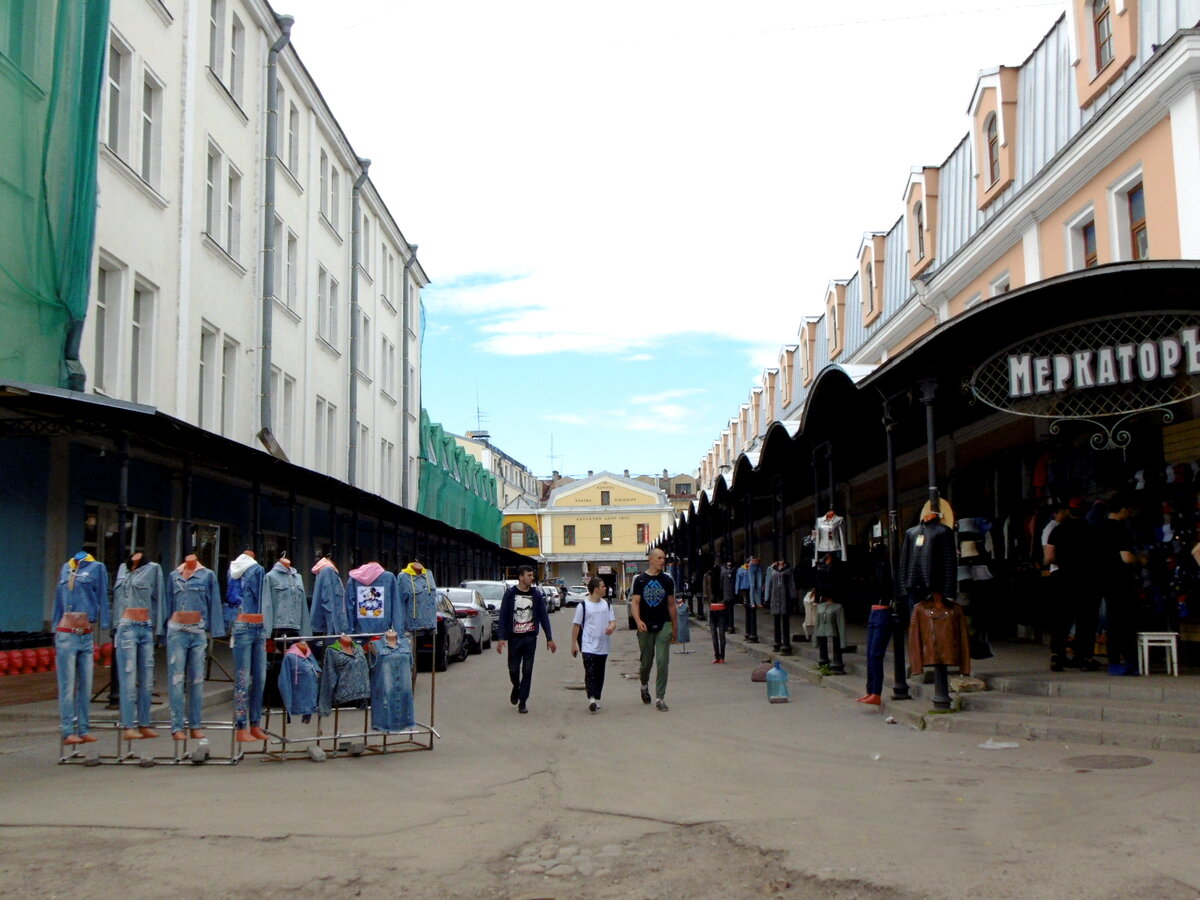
<point>638,357</point>
<point>670,394</point>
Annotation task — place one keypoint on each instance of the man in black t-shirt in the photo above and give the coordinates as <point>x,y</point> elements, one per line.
<point>652,602</point>
<point>1115,572</point>
<point>1071,546</point>
<point>522,613</point>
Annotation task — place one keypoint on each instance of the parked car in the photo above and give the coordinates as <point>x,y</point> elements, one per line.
<point>451,640</point>
<point>554,597</point>
<point>492,593</point>
<point>576,594</point>
<point>473,613</point>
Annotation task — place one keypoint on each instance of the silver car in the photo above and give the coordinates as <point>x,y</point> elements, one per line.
<point>492,593</point>
<point>470,609</point>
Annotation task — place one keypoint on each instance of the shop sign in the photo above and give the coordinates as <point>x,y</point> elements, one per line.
<point>631,568</point>
<point>1116,366</point>
<point>603,570</point>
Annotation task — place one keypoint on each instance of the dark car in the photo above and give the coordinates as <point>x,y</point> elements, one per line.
<point>451,637</point>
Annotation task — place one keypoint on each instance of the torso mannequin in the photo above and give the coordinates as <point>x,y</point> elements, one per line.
<point>253,618</point>
<point>830,535</point>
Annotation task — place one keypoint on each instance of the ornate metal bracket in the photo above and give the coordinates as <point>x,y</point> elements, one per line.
<point>1114,436</point>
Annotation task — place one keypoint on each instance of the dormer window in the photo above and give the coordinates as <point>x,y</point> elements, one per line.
<point>921,200</point>
<point>993,112</point>
<point>993,149</point>
<point>919,220</point>
<point>1104,42</point>
<point>1102,32</point>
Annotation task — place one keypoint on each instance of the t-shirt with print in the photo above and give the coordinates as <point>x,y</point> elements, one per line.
<point>654,591</point>
<point>594,616</point>
<point>523,621</point>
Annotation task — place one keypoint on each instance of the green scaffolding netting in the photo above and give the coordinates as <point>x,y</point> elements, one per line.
<point>454,487</point>
<point>51,65</point>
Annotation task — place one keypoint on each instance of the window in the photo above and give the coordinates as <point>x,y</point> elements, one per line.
<point>991,130</point>
<point>293,250</point>
<point>287,414</point>
<point>1087,234</point>
<point>233,212</point>
<point>387,467</point>
<point>387,366</point>
<point>324,199</point>
<point>117,91</point>
<point>606,534</point>
<point>141,342</point>
<point>334,196</point>
<point>364,344</point>
<point>1000,285</point>
<point>325,428</point>
<point>1102,32</point>
<point>643,534</point>
<point>212,192</point>
<point>919,219</point>
<point>229,354</point>
<point>868,287</point>
<point>106,317</point>
<point>605,498</point>
<point>279,267</point>
<point>1139,237</point>
<point>683,487</point>
<point>151,128</point>
<point>364,259</point>
<point>327,307</point>
<point>208,375</point>
<point>568,535</point>
<point>237,58</point>
<point>364,457</point>
<point>216,35</point>
<point>293,139</point>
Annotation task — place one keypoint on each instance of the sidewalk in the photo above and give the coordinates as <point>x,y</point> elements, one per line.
<point>1021,697</point>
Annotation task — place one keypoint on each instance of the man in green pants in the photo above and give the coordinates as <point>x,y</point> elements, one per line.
<point>652,599</point>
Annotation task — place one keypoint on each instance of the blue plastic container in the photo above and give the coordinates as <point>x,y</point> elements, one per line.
<point>777,684</point>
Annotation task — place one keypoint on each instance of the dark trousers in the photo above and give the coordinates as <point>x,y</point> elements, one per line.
<point>1121,627</point>
<point>751,622</point>
<point>1060,609</point>
<point>521,649</point>
<point>593,673</point>
<point>783,631</point>
<point>879,633</point>
<point>1078,592</point>
<point>716,625</point>
<point>823,646</point>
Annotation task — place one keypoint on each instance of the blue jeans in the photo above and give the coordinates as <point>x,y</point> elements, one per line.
<point>135,663</point>
<point>249,673</point>
<point>73,662</point>
<point>879,633</point>
<point>391,688</point>
<point>186,646</point>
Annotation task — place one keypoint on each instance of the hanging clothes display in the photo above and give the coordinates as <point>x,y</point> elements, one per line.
<point>243,587</point>
<point>138,598</point>
<point>284,604</point>
<point>328,599</point>
<point>418,602</point>
<point>928,561</point>
<point>80,604</point>
<point>938,636</point>
<point>830,536</point>
<point>371,599</point>
<point>345,678</point>
<point>391,685</point>
<point>194,607</point>
<point>830,628</point>
<point>299,680</point>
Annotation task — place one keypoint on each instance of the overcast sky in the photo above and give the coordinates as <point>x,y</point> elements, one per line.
<point>627,207</point>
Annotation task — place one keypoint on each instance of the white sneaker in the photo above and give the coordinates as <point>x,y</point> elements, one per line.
<point>593,705</point>
<point>596,703</point>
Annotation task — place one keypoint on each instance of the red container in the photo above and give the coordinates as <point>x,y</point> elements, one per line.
<point>44,658</point>
<point>4,662</point>
<point>96,654</point>
<point>28,661</point>
<point>106,654</point>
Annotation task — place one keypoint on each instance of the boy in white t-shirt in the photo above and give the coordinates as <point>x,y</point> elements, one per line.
<point>594,622</point>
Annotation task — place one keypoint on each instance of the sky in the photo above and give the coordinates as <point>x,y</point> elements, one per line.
<point>627,208</point>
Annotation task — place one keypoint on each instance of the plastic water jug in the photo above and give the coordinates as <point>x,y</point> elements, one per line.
<point>777,684</point>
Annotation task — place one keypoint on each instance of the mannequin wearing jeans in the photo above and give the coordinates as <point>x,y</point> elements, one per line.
<point>246,636</point>
<point>879,633</point>
<point>138,596</point>
<point>80,602</point>
<point>194,602</point>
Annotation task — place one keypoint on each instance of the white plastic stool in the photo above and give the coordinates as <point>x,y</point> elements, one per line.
<point>1168,640</point>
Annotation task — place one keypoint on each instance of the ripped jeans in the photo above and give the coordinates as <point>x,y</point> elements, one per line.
<point>250,673</point>
<point>135,662</point>
<point>186,646</point>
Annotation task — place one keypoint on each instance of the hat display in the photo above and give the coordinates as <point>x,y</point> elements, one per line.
<point>944,508</point>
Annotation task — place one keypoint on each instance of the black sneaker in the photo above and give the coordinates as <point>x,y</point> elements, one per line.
<point>1056,664</point>
<point>592,706</point>
<point>1088,664</point>
<point>661,705</point>
<point>513,698</point>
<point>645,694</point>
<point>522,709</point>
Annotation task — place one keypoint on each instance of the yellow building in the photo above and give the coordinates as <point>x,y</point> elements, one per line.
<point>599,525</point>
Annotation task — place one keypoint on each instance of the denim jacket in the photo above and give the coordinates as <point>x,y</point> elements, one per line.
<point>329,602</point>
<point>199,593</point>
<point>83,589</point>
<point>298,680</point>
<point>284,604</point>
<point>251,573</point>
<point>418,603</point>
<point>371,600</point>
<point>143,587</point>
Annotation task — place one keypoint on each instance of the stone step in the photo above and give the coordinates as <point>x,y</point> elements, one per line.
<point>1099,685</point>
<point>1133,712</point>
<point>1074,731</point>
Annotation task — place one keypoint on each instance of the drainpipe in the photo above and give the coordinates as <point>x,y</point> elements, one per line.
<point>268,253</point>
<point>355,258</point>
<point>405,487</point>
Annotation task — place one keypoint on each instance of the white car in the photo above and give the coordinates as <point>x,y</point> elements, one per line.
<point>554,598</point>
<point>576,594</point>
<point>470,609</point>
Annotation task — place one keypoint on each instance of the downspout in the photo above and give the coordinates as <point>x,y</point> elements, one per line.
<point>405,485</point>
<point>268,254</point>
<point>355,258</point>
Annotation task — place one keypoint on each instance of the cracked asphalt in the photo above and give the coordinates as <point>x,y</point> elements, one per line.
<point>725,795</point>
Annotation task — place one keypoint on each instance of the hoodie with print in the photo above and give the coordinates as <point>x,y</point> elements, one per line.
<point>418,603</point>
<point>251,573</point>
<point>284,604</point>
<point>371,599</point>
<point>298,680</point>
<point>328,600</point>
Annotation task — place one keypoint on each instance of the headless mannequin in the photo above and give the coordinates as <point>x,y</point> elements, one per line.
<point>254,732</point>
<point>391,637</point>
<point>137,614</point>
<point>188,617</point>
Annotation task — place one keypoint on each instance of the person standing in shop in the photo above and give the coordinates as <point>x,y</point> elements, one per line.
<point>522,615</point>
<point>652,600</point>
<point>1116,572</point>
<point>1071,547</point>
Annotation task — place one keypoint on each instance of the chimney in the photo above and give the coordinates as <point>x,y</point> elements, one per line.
<point>626,473</point>
<point>665,475</point>
<point>556,475</point>
<point>589,473</point>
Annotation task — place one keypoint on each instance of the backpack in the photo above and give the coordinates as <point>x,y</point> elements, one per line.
<point>233,592</point>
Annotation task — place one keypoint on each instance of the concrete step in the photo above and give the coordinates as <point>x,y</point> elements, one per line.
<point>1133,712</point>
<point>1074,731</point>
<point>1100,685</point>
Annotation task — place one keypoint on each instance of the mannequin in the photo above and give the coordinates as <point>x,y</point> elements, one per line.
<point>937,637</point>
<point>830,536</point>
<point>138,596</point>
<point>417,603</point>
<point>748,582</point>
<point>80,604</point>
<point>345,677</point>
<point>194,604</point>
<point>831,625</point>
<point>780,594</point>
<point>371,598</point>
<point>717,610</point>
<point>391,684</point>
<point>284,603</point>
<point>728,595</point>
<point>879,633</point>
<point>243,599</point>
<point>298,679</point>
<point>328,599</point>
<point>928,563</point>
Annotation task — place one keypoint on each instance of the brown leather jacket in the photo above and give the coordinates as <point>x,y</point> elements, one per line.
<point>938,636</point>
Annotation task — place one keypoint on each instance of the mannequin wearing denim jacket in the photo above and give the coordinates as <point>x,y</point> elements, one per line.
<point>299,677</point>
<point>391,683</point>
<point>418,604</point>
<point>194,608</point>
<point>249,574</point>
<point>328,599</point>
<point>139,595</point>
<point>80,603</point>
<point>247,631</point>
<point>285,605</point>
<point>345,677</point>
<point>371,599</point>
